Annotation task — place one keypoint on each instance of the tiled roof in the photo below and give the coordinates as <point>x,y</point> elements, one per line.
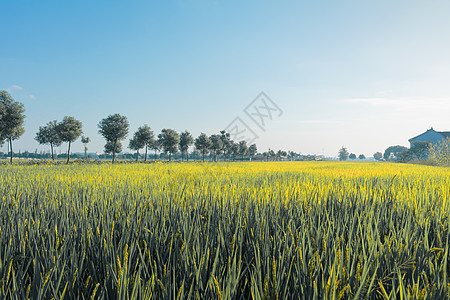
<point>444,133</point>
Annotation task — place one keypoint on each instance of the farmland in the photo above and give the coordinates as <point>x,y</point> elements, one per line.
<point>224,230</point>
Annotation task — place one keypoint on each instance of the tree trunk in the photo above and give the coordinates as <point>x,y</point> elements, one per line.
<point>51,149</point>
<point>68,154</point>
<point>170,156</point>
<point>187,156</point>
<point>203,153</point>
<point>155,155</point>
<point>11,149</point>
<point>137,155</point>
<point>145,156</point>
<point>85,152</point>
<point>114,152</point>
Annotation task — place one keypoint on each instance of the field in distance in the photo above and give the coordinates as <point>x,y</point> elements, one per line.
<point>269,230</point>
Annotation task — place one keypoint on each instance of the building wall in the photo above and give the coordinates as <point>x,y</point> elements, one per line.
<point>429,136</point>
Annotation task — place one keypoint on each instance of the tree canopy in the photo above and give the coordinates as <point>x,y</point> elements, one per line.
<point>113,128</point>
<point>378,156</point>
<point>145,135</point>
<point>69,130</point>
<point>392,152</point>
<point>169,140</point>
<point>186,140</point>
<point>11,119</point>
<point>216,145</point>
<point>203,144</point>
<point>48,135</point>
<point>343,153</point>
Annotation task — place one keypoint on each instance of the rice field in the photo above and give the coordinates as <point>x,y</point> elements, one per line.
<point>267,230</point>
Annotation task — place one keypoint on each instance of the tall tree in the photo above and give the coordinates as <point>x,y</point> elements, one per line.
<point>243,148</point>
<point>392,152</point>
<point>203,144</point>
<point>11,120</point>
<point>227,143</point>
<point>186,140</point>
<point>85,141</point>
<point>216,145</point>
<point>48,135</point>
<point>169,140</point>
<point>343,153</point>
<point>136,144</point>
<point>114,128</point>
<point>69,130</point>
<point>252,151</point>
<point>146,136</point>
<point>155,146</point>
<point>378,156</point>
<point>235,149</point>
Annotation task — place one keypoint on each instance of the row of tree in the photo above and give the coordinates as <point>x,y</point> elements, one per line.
<point>343,154</point>
<point>114,129</point>
<point>418,150</point>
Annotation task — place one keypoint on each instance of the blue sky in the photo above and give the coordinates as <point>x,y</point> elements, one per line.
<point>363,74</point>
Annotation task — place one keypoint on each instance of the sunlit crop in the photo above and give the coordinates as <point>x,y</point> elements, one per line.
<point>284,230</point>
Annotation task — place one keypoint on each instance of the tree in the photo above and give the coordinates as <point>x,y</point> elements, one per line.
<point>145,135</point>
<point>203,144</point>
<point>243,148</point>
<point>391,153</point>
<point>378,156</point>
<point>216,145</point>
<point>11,120</point>
<point>227,143</point>
<point>439,153</point>
<point>281,154</point>
<point>186,140</point>
<point>352,156</point>
<point>136,144</point>
<point>343,153</point>
<point>272,154</point>
<point>362,156</point>
<point>420,150</point>
<point>252,151</point>
<point>114,128</point>
<point>48,135</point>
<point>155,146</point>
<point>169,140</point>
<point>235,149</point>
<point>69,130</point>
<point>85,140</point>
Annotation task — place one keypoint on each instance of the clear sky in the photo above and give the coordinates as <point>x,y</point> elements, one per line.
<point>363,74</point>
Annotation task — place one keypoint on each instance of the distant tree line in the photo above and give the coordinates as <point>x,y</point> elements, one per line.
<point>114,128</point>
<point>419,152</point>
<point>343,154</point>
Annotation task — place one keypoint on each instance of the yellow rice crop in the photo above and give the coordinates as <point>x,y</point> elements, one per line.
<point>224,230</point>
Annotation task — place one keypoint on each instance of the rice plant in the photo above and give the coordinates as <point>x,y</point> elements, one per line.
<point>281,230</point>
